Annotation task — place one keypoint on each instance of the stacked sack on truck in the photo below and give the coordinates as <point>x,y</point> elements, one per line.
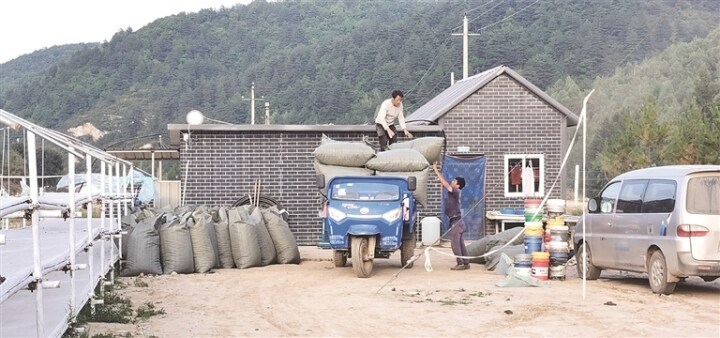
<point>198,239</point>
<point>411,158</point>
<point>336,158</point>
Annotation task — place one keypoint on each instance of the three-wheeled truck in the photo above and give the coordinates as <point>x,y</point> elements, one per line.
<point>368,217</point>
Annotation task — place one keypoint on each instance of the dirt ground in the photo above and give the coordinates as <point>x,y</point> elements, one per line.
<point>316,299</point>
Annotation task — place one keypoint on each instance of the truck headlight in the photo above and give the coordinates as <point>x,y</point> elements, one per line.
<point>336,214</point>
<point>391,215</point>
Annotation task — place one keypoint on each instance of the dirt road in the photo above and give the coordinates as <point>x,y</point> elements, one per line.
<point>317,299</point>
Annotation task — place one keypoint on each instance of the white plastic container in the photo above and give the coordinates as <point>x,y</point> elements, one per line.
<point>556,205</point>
<point>430,230</point>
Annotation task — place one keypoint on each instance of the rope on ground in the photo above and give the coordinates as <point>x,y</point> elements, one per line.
<point>428,265</point>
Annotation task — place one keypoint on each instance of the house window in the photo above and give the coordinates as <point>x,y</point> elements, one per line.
<point>532,166</point>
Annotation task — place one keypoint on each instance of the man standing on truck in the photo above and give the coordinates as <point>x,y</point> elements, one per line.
<point>454,213</point>
<point>390,110</point>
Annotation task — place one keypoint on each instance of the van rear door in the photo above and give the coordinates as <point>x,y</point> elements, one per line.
<point>702,221</point>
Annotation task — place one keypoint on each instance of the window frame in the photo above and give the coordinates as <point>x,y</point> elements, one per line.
<point>540,192</point>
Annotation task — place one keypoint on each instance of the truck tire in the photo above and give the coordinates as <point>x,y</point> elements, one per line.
<point>592,272</point>
<point>658,274</point>
<point>360,249</point>
<point>407,250</point>
<point>339,258</point>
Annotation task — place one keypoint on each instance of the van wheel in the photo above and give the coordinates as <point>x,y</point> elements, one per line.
<point>591,271</point>
<point>658,274</point>
<point>339,258</point>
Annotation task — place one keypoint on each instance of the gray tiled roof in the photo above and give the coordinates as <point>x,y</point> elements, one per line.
<point>453,95</point>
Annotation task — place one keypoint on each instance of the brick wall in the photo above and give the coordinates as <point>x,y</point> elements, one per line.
<point>223,166</point>
<point>223,162</point>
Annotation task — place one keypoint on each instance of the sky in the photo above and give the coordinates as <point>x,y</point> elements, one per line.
<point>30,25</point>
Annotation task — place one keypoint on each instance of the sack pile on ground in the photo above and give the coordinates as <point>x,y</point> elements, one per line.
<point>411,158</point>
<point>198,239</point>
<point>495,242</point>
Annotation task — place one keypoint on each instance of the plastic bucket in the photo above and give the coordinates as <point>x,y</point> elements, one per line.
<point>523,271</point>
<point>532,203</point>
<point>532,244</point>
<point>558,247</point>
<point>533,229</point>
<point>557,235</point>
<point>558,257</point>
<point>523,259</point>
<point>533,217</point>
<point>557,272</point>
<point>540,266</point>
<point>554,222</point>
<point>555,205</point>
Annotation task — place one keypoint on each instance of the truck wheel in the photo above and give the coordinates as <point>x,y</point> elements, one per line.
<point>407,250</point>
<point>658,274</point>
<point>592,272</point>
<point>339,258</point>
<point>362,264</point>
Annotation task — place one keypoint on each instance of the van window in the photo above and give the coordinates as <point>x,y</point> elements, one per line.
<point>659,197</point>
<point>608,197</point>
<point>703,195</point>
<point>631,196</point>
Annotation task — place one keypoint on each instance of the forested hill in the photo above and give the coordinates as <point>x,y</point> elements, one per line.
<point>333,62</point>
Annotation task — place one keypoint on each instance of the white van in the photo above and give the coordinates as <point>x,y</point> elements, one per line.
<point>664,221</point>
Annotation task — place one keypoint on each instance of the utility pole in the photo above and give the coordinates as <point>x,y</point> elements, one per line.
<point>465,45</point>
<point>267,112</point>
<point>252,102</point>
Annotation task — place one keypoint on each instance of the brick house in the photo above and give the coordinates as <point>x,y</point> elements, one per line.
<point>497,113</point>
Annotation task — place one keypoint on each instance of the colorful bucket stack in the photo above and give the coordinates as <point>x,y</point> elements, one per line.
<point>557,239</point>
<point>533,226</point>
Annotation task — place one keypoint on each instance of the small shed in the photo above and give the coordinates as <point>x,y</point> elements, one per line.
<point>512,123</point>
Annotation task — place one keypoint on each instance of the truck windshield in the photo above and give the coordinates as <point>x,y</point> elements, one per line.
<point>365,191</point>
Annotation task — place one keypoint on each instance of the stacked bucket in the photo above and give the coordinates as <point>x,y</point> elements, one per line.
<point>556,239</point>
<point>533,241</point>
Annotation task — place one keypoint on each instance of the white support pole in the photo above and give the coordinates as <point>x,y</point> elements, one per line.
<point>71,193</point>
<point>252,103</point>
<point>111,219</point>
<point>89,217</point>
<point>132,186</point>
<point>577,180</point>
<point>118,194</point>
<point>124,190</point>
<point>102,228</point>
<point>465,47</point>
<point>37,267</point>
<point>152,162</point>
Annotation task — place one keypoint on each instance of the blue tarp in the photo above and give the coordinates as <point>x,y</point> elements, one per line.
<point>472,201</point>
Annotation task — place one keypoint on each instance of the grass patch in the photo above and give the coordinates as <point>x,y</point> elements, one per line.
<point>116,309</point>
<point>148,310</point>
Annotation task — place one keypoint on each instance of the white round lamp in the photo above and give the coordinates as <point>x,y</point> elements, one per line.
<point>195,117</point>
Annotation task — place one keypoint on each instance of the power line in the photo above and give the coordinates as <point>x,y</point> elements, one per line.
<point>483,13</point>
<point>509,16</point>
